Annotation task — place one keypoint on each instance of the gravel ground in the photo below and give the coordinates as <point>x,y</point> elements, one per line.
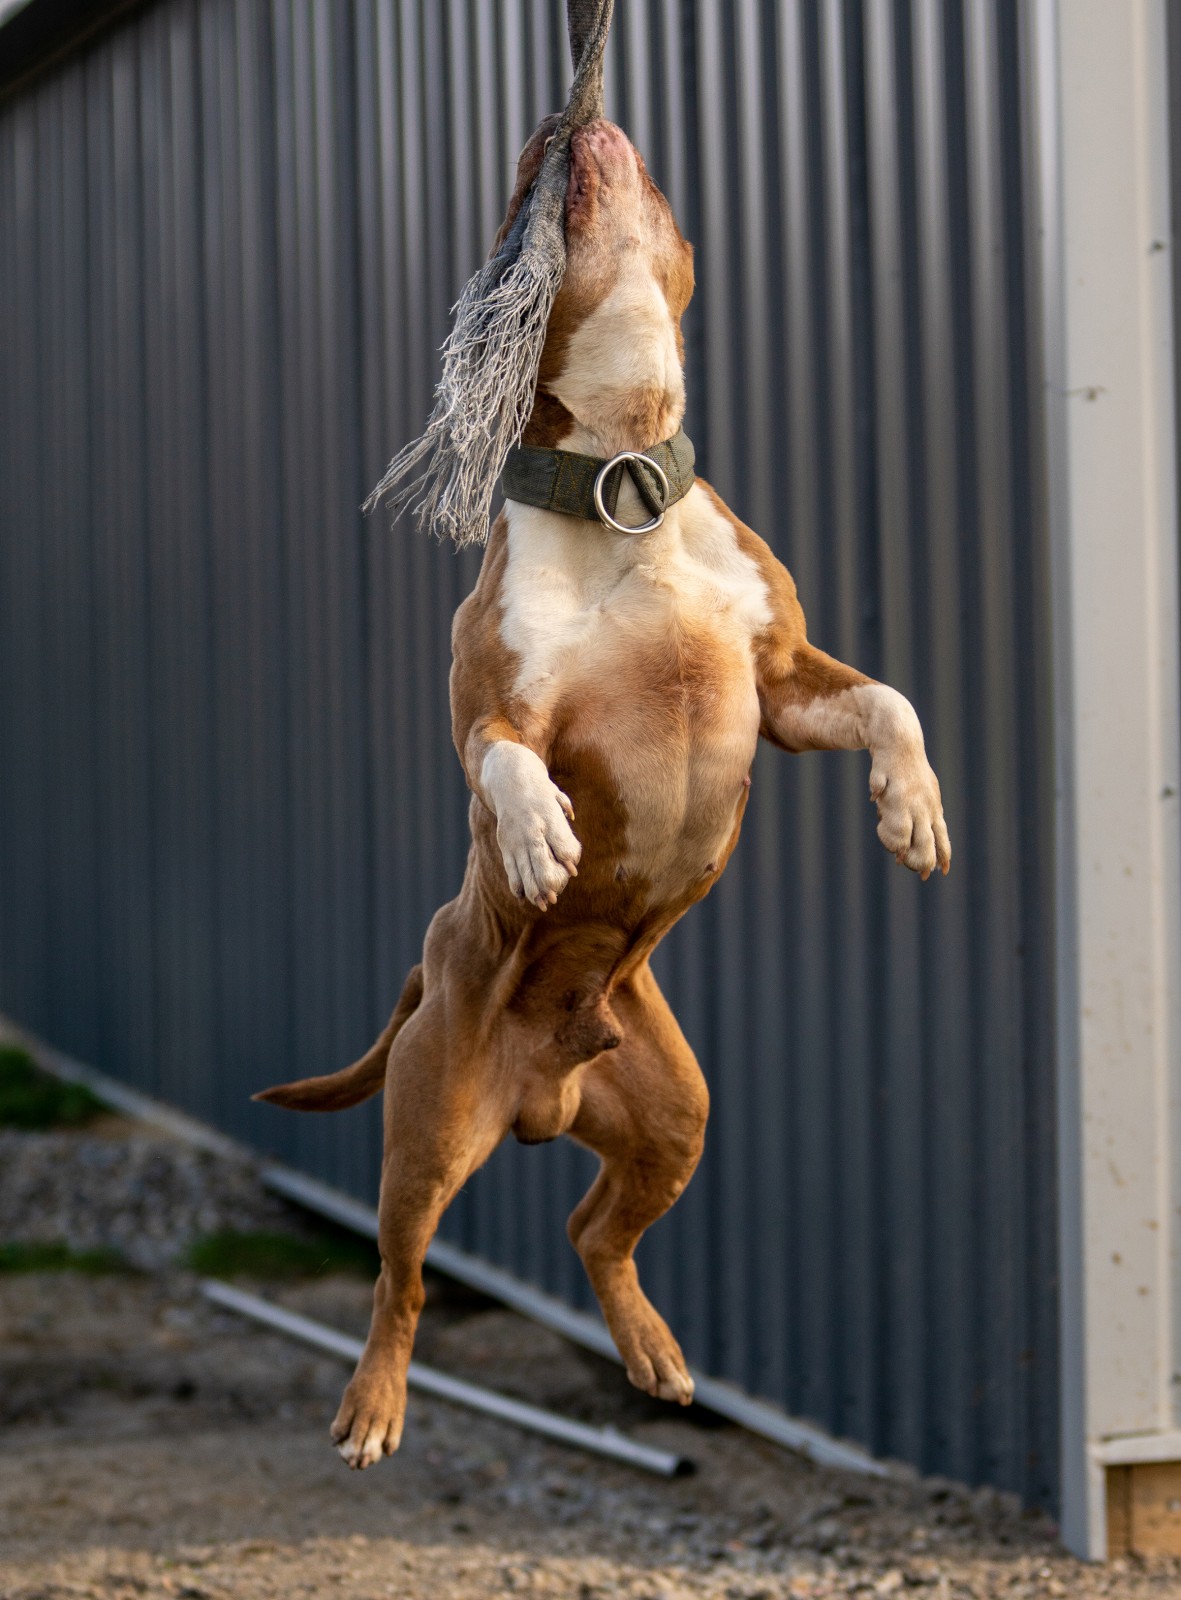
<point>151,1444</point>
<point>122,1187</point>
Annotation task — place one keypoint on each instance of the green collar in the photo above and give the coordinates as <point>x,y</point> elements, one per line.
<point>559,480</point>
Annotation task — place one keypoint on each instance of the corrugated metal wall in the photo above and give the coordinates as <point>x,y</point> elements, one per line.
<point>229,236</point>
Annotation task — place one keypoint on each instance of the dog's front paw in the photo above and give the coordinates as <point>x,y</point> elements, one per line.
<point>901,783</point>
<point>910,809</point>
<point>538,846</point>
<point>533,817</point>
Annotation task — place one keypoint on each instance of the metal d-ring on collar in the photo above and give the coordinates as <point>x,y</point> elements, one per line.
<point>651,466</point>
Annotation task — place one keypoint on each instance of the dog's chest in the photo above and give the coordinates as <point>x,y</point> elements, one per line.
<point>639,655</point>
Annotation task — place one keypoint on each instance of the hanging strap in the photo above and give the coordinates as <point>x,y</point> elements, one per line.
<point>491,358</point>
<point>587,23</point>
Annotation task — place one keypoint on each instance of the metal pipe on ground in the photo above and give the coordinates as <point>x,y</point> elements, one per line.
<point>598,1441</point>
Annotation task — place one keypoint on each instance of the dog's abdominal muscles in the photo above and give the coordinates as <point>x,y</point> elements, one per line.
<point>876,718</point>
<point>533,818</point>
<point>640,651</point>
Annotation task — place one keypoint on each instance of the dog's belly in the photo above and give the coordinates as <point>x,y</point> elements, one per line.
<point>655,754</point>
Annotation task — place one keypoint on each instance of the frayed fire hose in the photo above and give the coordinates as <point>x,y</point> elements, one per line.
<point>491,358</point>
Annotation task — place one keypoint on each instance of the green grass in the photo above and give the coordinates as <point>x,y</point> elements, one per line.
<point>281,1255</point>
<point>31,1099</point>
<point>58,1257</point>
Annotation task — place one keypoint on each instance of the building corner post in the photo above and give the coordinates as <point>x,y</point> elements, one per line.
<point>1099,126</point>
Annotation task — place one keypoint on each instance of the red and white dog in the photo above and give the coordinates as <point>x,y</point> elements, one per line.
<point>607,693</point>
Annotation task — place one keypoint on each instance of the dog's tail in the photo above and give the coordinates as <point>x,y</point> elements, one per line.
<point>350,1085</point>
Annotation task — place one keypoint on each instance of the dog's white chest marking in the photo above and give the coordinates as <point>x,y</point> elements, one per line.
<point>645,646</point>
<point>574,591</point>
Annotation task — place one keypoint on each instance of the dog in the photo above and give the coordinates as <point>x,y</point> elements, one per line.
<point>608,690</point>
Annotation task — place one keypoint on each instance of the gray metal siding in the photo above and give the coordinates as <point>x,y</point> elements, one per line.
<point>229,236</point>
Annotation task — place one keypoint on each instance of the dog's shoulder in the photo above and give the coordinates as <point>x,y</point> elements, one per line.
<point>783,615</point>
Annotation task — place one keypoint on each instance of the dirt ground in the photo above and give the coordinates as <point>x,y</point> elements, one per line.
<point>154,1445</point>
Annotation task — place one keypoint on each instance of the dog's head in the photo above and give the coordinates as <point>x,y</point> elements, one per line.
<point>611,372</point>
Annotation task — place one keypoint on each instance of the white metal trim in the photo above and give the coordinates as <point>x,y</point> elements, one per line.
<point>120,1097</point>
<point>1132,1449</point>
<point>1082,1517</point>
<point>9,9</point>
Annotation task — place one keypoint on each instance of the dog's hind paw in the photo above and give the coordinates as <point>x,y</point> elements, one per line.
<point>668,1384</point>
<point>654,1360</point>
<point>368,1424</point>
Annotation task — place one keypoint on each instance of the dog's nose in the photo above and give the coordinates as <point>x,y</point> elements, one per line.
<point>600,156</point>
<point>604,145</point>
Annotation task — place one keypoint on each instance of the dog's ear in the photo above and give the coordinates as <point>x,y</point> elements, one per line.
<point>528,166</point>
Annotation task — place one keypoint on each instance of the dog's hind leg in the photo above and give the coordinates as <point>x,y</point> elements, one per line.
<point>643,1111</point>
<point>351,1085</point>
<point>443,1119</point>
